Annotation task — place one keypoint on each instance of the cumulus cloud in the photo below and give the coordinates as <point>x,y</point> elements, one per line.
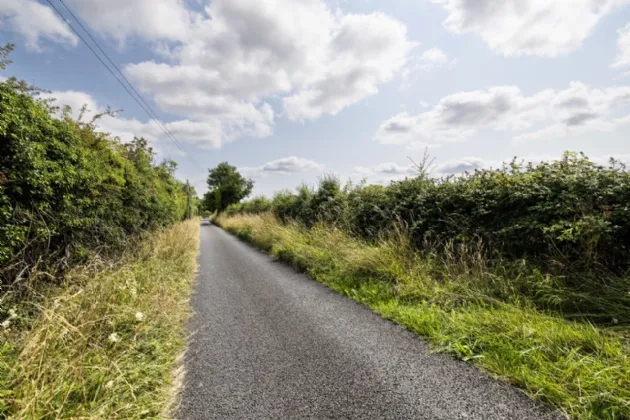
<point>224,65</point>
<point>34,22</point>
<point>622,60</point>
<point>153,21</point>
<point>459,166</point>
<point>528,27</point>
<point>580,109</point>
<point>470,164</point>
<point>386,172</point>
<point>240,53</point>
<point>456,117</point>
<point>205,134</point>
<point>430,60</point>
<point>283,166</point>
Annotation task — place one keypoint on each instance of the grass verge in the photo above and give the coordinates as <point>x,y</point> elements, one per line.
<point>581,369</point>
<point>105,345</point>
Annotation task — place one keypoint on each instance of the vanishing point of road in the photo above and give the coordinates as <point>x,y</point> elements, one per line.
<point>270,343</point>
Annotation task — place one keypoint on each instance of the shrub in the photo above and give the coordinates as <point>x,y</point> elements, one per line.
<point>67,191</point>
<point>568,219</point>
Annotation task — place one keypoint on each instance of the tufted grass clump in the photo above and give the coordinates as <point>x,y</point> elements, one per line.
<point>479,312</point>
<point>105,344</point>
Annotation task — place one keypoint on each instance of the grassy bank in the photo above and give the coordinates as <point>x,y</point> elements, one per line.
<point>450,298</point>
<point>105,344</point>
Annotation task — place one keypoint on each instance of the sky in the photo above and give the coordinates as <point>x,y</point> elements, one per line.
<point>288,90</point>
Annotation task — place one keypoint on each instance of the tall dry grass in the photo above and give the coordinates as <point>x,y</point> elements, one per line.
<point>106,345</point>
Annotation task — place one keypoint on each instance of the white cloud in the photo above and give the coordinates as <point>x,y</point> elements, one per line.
<point>470,164</point>
<point>622,60</point>
<point>430,60</point>
<point>528,27</point>
<point>387,168</point>
<point>433,58</point>
<point>581,109</point>
<point>283,166</point>
<point>153,20</point>
<point>386,172</point>
<point>226,64</point>
<point>459,166</point>
<point>35,22</point>
<point>207,134</point>
<point>364,51</point>
<point>462,114</point>
<point>577,109</point>
<point>242,53</point>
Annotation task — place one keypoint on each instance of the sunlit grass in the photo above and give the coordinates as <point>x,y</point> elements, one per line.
<point>463,309</point>
<point>106,345</point>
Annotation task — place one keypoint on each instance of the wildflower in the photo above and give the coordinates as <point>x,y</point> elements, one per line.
<point>113,337</point>
<point>6,324</point>
<point>139,316</point>
<point>12,313</point>
<point>109,384</point>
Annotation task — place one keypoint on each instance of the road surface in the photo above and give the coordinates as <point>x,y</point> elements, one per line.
<point>270,343</point>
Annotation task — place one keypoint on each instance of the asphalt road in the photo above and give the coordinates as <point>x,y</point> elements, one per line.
<point>270,343</point>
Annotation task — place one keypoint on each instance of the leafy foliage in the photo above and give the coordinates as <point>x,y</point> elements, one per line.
<point>561,227</point>
<point>226,186</point>
<point>571,210</point>
<point>4,54</point>
<point>67,191</point>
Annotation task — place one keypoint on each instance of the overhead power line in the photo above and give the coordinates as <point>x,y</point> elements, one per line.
<point>141,102</point>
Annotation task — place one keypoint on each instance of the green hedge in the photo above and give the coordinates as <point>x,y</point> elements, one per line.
<point>562,227</point>
<point>67,191</point>
<point>571,210</point>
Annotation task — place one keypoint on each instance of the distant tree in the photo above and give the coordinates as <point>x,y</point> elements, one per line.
<point>225,186</point>
<point>4,54</point>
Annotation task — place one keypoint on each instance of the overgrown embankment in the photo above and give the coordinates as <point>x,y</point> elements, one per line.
<point>581,369</point>
<point>557,233</point>
<point>523,270</point>
<point>104,345</point>
<point>95,265</point>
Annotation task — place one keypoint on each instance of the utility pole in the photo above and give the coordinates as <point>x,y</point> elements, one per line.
<point>188,209</point>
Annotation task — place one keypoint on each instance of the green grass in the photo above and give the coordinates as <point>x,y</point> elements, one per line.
<point>464,309</point>
<point>106,343</point>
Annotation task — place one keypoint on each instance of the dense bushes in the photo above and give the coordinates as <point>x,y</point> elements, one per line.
<point>562,227</point>
<point>67,190</point>
<point>571,211</point>
<point>254,206</point>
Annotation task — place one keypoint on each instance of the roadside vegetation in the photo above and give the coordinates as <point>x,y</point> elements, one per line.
<point>96,265</point>
<point>105,344</point>
<point>68,191</point>
<point>521,270</point>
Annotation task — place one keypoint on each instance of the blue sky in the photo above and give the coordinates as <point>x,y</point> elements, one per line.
<point>287,90</point>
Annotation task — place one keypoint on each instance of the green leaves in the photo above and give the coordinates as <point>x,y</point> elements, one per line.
<point>226,186</point>
<point>67,190</point>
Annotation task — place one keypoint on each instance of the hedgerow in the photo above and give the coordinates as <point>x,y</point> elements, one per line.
<point>68,191</point>
<point>561,228</point>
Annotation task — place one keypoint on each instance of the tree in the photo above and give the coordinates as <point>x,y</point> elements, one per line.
<point>4,54</point>
<point>225,186</point>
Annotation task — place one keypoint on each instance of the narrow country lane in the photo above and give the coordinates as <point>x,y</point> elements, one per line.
<point>270,343</point>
